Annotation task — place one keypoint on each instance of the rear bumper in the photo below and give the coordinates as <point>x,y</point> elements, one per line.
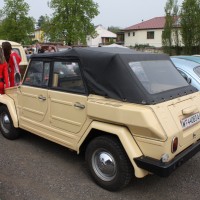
<point>165,169</point>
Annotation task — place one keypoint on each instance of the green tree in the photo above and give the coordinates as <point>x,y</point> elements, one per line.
<point>15,24</point>
<point>71,21</point>
<point>114,29</point>
<point>170,35</point>
<point>50,31</point>
<point>41,21</point>
<point>190,24</point>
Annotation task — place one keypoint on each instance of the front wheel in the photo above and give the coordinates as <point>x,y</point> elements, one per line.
<point>6,124</point>
<point>108,163</point>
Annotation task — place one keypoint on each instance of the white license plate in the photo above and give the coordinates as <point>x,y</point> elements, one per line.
<point>189,121</point>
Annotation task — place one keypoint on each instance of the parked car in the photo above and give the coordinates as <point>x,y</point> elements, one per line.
<point>189,69</point>
<point>194,58</point>
<point>20,50</point>
<point>63,48</point>
<point>129,112</point>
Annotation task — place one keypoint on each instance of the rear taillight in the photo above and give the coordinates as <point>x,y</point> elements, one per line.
<point>174,144</point>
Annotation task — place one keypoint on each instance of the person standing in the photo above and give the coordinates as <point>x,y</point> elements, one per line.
<point>4,80</point>
<point>13,60</point>
<point>50,49</point>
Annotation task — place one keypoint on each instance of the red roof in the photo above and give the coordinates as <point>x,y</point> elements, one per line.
<point>155,23</point>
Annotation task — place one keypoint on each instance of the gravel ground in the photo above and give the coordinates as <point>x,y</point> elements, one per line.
<point>33,168</point>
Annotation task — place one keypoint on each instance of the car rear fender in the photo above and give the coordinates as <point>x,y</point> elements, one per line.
<point>125,138</point>
<point>10,104</point>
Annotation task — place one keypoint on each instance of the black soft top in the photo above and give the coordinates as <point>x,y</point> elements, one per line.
<point>107,73</point>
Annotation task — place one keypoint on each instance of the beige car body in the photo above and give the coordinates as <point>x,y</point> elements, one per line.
<point>117,136</point>
<point>143,130</point>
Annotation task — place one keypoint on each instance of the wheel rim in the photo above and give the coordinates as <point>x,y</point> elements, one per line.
<point>104,165</point>
<point>5,122</point>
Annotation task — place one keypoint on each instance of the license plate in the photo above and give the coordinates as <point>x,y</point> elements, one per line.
<point>189,121</point>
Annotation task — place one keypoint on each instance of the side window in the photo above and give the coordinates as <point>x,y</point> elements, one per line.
<point>38,74</point>
<point>67,76</point>
<point>46,71</point>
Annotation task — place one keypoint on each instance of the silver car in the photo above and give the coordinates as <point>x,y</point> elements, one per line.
<point>189,69</point>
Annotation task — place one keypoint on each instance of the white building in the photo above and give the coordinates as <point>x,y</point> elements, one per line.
<point>104,37</point>
<point>145,33</point>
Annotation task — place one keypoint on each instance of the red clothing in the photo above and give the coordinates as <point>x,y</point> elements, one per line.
<point>4,80</point>
<point>13,56</point>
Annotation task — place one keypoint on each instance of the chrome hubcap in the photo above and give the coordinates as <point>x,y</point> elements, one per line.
<point>5,122</point>
<point>104,165</point>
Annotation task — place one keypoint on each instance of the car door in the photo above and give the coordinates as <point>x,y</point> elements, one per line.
<point>67,97</point>
<point>33,93</point>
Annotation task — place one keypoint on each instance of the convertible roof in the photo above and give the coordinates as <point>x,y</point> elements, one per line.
<point>94,51</point>
<point>107,73</point>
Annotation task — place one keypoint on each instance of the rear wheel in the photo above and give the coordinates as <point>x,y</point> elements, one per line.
<point>108,163</point>
<point>6,124</point>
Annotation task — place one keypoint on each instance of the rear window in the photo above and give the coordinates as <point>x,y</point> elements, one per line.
<point>158,75</point>
<point>17,51</point>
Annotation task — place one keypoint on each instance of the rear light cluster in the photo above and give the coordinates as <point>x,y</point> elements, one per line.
<point>174,144</point>
<point>174,147</point>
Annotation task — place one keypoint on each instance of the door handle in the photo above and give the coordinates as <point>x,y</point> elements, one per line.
<point>79,105</point>
<point>41,98</point>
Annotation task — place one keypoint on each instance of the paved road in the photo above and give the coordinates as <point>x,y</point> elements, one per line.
<point>32,168</point>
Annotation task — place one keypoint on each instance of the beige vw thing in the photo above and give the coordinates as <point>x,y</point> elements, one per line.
<point>131,113</point>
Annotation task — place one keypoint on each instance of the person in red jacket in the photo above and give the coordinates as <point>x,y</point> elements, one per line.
<point>13,60</point>
<point>4,80</point>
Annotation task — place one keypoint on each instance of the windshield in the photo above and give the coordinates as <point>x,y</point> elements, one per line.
<point>157,75</point>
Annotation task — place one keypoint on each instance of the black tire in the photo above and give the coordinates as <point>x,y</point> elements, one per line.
<point>108,163</point>
<point>6,124</point>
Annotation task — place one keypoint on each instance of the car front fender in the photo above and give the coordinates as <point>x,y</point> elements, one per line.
<point>9,102</point>
<point>125,138</point>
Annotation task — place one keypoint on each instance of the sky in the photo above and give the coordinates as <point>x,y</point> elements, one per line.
<point>112,12</point>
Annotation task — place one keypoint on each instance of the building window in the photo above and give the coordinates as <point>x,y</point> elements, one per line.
<point>129,34</point>
<point>150,35</point>
<point>133,33</point>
